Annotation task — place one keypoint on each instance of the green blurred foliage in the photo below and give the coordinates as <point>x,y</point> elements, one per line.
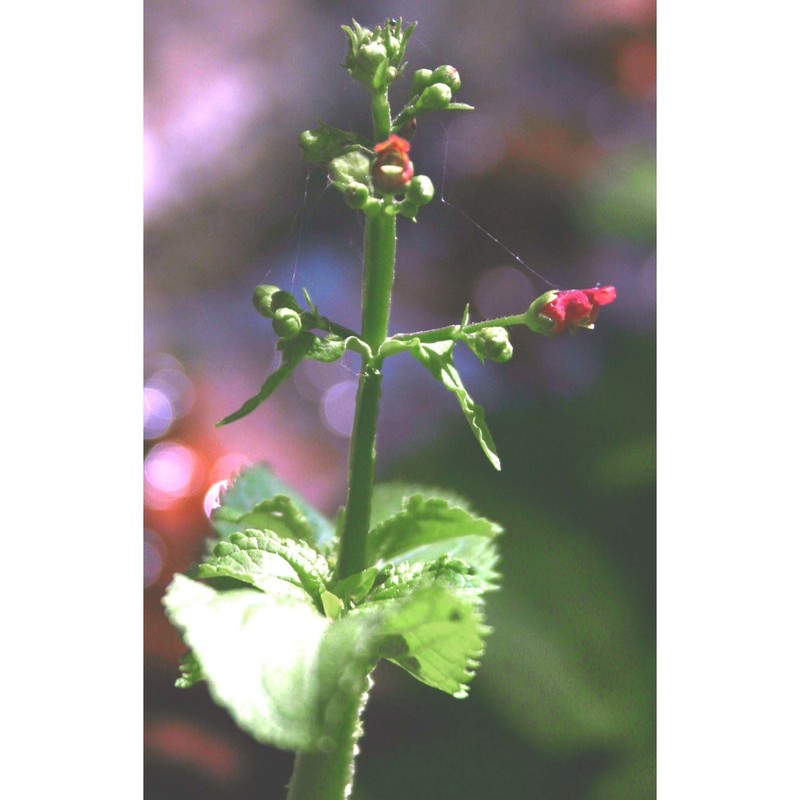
<point>564,704</point>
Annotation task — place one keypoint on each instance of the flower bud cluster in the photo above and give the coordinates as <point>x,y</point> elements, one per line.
<point>288,320</point>
<point>375,57</point>
<point>431,90</point>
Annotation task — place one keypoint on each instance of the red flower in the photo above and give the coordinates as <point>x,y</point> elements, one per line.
<point>575,308</point>
<point>392,169</point>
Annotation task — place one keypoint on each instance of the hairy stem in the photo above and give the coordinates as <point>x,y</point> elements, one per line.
<point>447,333</point>
<point>329,775</point>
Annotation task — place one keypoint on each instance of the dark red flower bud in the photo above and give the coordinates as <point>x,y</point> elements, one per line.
<point>392,169</point>
<point>568,310</point>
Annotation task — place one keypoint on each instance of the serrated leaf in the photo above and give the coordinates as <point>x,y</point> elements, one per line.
<point>255,485</point>
<point>283,671</point>
<point>398,581</point>
<point>435,636</point>
<point>278,514</point>
<point>437,357</point>
<point>428,528</point>
<point>266,561</point>
<point>389,499</point>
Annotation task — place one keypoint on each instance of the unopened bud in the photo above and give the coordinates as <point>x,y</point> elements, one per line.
<point>447,75</point>
<point>492,343</point>
<point>420,191</point>
<point>356,195</point>
<point>262,299</point>
<point>436,97</point>
<point>422,79</point>
<point>287,323</point>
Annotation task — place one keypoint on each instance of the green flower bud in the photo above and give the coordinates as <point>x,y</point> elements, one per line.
<point>447,75</point>
<point>420,191</point>
<point>262,299</point>
<point>287,323</point>
<point>436,97</point>
<point>491,343</point>
<point>283,299</point>
<point>422,79</point>
<point>356,195</point>
<point>352,167</point>
<point>366,60</point>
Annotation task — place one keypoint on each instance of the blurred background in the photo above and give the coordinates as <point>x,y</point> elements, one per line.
<point>557,162</point>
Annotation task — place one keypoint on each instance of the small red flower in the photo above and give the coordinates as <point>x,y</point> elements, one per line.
<point>392,169</point>
<point>576,308</point>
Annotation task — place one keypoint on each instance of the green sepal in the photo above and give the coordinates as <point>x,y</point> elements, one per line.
<point>427,528</point>
<point>191,671</point>
<point>351,167</point>
<point>257,499</point>
<point>437,357</point>
<point>267,561</point>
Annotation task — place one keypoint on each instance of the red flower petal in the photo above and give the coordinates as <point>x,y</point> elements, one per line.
<point>577,308</point>
<point>395,143</point>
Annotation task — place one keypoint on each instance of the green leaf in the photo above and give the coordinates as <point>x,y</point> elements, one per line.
<point>435,636</point>
<point>330,349</point>
<point>282,670</point>
<point>438,358</point>
<point>278,514</point>
<point>355,587</point>
<point>459,107</point>
<point>332,605</point>
<point>397,581</point>
<point>294,350</point>
<point>428,528</point>
<point>292,356</point>
<point>389,499</point>
<point>266,561</point>
<point>257,484</point>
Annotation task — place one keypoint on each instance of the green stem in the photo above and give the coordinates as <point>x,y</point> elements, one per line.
<point>379,253</point>
<point>449,332</point>
<point>329,775</point>
<point>381,116</point>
